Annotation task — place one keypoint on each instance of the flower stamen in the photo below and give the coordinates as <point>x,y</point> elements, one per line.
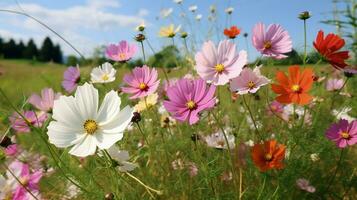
<point>219,68</point>
<point>251,85</point>
<point>268,157</point>
<point>267,45</point>
<point>90,126</point>
<point>296,88</point>
<point>143,86</point>
<point>191,105</point>
<point>345,135</point>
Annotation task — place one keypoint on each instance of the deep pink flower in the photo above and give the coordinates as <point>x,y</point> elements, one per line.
<point>218,65</point>
<point>23,126</point>
<point>71,78</point>
<point>11,150</point>
<point>189,97</point>
<point>28,180</point>
<point>334,84</point>
<point>249,81</point>
<point>343,133</point>
<point>271,42</point>
<point>142,82</point>
<point>45,101</point>
<point>121,52</point>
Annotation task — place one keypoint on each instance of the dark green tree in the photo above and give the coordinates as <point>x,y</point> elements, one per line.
<point>72,60</point>
<point>47,50</point>
<point>31,51</point>
<point>10,49</point>
<point>57,54</point>
<point>1,47</point>
<point>20,49</point>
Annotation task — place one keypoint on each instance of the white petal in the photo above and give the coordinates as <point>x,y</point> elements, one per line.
<point>106,140</point>
<point>87,101</point>
<point>110,107</point>
<point>85,147</point>
<point>118,123</point>
<point>65,111</point>
<point>62,135</point>
<point>127,166</point>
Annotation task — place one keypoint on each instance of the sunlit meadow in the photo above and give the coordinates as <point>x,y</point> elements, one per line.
<point>195,120</point>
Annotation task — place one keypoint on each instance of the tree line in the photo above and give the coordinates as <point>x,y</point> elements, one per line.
<point>48,52</point>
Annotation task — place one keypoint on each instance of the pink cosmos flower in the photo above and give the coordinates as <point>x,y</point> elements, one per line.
<point>31,118</point>
<point>121,52</point>
<point>45,101</point>
<point>71,78</point>
<point>249,81</point>
<point>343,133</point>
<point>218,65</point>
<point>271,42</point>
<point>28,180</point>
<point>304,184</point>
<point>11,150</point>
<point>334,84</point>
<point>192,169</point>
<point>165,86</point>
<point>275,108</point>
<point>141,82</point>
<point>189,97</point>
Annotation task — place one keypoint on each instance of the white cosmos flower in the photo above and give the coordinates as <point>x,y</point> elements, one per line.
<point>218,141</point>
<point>178,1</point>
<point>103,74</point>
<point>192,8</point>
<point>164,13</point>
<point>122,158</point>
<point>343,114</point>
<point>198,17</point>
<point>79,123</point>
<point>229,10</point>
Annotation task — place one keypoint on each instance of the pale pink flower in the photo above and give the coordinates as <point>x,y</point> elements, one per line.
<point>271,42</point>
<point>31,118</point>
<point>334,84</point>
<point>142,82</point>
<point>304,184</point>
<point>192,169</point>
<point>45,101</point>
<point>11,150</point>
<point>249,81</point>
<point>218,65</point>
<point>121,52</point>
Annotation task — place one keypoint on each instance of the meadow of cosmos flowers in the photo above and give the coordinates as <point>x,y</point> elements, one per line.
<point>217,127</point>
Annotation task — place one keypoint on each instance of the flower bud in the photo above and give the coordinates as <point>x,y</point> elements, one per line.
<point>304,15</point>
<point>136,117</point>
<point>140,37</point>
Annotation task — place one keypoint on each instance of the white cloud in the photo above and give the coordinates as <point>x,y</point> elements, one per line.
<point>80,24</point>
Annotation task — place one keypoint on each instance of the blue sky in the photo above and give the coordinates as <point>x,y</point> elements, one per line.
<point>90,23</point>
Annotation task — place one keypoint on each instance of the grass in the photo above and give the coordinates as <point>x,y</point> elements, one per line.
<point>21,78</point>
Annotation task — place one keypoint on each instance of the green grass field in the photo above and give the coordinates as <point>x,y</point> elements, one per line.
<point>20,78</point>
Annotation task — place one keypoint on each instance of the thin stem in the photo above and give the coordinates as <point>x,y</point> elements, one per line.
<point>142,133</point>
<point>143,184</point>
<point>335,173</point>
<point>251,115</point>
<point>143,51</point>
<point>338,92</point>
<point>305,43</point>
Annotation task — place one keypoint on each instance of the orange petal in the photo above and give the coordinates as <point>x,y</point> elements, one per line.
<point>294,72</point>
<point>282,78</point>
<point>284,98</point>
<point>304,99</point>
<point>307,79</point>
<point>278,89</point>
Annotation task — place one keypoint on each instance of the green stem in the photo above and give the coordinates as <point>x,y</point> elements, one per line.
<point>143,51</point>
<point>335,173</point>
<point>142,133</point>
<point>251,115</point>
<point>305,43</point>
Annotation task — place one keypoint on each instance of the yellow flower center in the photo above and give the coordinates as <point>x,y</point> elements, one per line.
<point>24,181</point>
<point>268,157</point>
<point>143,86</point>
<point>345,135</point>
<point>267,45</point>
<point>251,85</point>
<point>219,68</point>
<point>191,105</point>
<point>90,126</point>
<point>105,77</point>
<point>171,35</point>
<point>122,56</point>
<point>295,88</point>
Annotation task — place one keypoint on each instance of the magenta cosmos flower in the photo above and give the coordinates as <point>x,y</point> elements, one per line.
<point>121,52</point>
<point>275,108</point>
<point>249,81</point>
<point>189,97</point>
<point>273,42</point>
<point>45,101</point>
<point>218,65</point>
<point>141,82</point>
<point>343,133</point>
<point>71,78</point>
<point>31,118</point>
<point>28,180</point>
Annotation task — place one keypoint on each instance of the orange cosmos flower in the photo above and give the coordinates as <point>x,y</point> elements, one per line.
<point>268,155</point>
<point>232,32</point>
<point>293,89</point>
